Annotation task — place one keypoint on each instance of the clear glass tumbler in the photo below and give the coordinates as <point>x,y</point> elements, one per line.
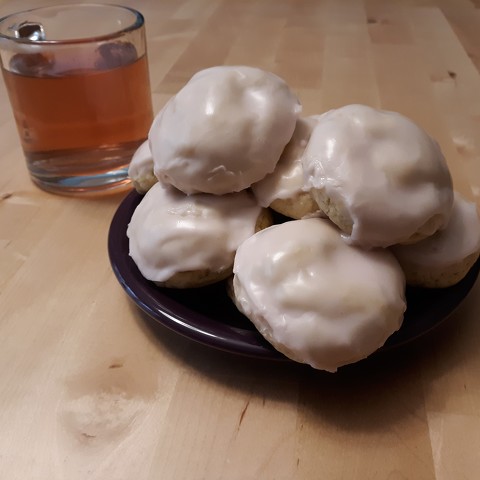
<point>78,82</point>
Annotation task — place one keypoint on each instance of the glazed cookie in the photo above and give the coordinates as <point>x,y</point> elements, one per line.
<point>140,169</point>
<point>315,298</point>
<point>224,130</point>
<point>446,257</point>
<point>284,189</point>
<point>378,176</point>
<point>181,241</point>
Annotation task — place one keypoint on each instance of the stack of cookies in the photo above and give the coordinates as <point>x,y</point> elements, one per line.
<point>368,192</point>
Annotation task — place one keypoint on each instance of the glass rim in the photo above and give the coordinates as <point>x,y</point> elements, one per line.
<point>138,22</point>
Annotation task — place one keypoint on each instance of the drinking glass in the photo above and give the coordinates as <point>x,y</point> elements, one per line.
<point>78,82</point>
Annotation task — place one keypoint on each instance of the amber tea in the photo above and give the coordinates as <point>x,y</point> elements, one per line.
<point>84,110</point>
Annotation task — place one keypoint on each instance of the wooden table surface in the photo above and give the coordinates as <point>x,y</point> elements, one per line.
<point>89,391</point>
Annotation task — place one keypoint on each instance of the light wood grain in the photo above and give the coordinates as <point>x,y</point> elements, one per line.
<point>88,391</point>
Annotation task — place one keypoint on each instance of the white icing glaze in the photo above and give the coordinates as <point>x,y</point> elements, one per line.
<point>314,297</point>
<point>223,131</point>
<point>141,164</point>
<point>450,246</point>
<point>170,232</point>
<point>389,175</point>
<point>287,180</point>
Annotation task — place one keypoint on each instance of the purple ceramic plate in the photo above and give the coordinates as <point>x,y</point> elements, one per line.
<point>208,316</point>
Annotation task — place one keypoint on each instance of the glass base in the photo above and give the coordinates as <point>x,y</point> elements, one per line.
<point>93,172</point>
<point>107,183</point>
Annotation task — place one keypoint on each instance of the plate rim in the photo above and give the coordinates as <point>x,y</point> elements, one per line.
<point>232,339</point>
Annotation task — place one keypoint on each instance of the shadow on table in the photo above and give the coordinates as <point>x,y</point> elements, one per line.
<point>372,394</point>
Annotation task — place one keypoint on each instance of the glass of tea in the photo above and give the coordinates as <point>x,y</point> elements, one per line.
<point>78,82</point>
